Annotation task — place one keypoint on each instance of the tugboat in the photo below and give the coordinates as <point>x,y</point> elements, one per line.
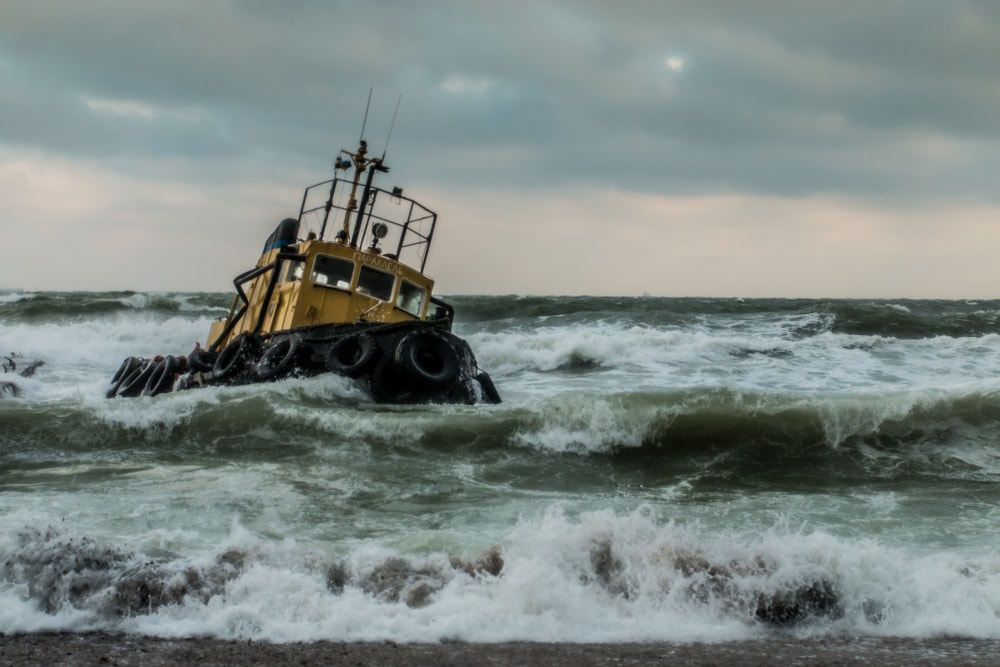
<point>358,304</point>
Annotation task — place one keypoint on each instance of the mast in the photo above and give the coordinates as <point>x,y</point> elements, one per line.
<point>361,164</point>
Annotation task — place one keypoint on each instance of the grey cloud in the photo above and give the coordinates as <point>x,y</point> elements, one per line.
<point>778,96</point>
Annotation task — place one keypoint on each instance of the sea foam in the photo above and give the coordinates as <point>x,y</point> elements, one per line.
<point>600,576</point>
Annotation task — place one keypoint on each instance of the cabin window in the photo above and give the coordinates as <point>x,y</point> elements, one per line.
<point>294,271</point>
<point>375,283</point>
<point>332,271</point>
<point>411,298</point>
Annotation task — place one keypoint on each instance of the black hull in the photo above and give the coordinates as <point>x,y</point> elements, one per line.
<point>410,362</point>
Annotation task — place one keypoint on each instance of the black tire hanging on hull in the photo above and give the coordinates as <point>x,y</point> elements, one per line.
<point>351,356</point>
<point>386,384</point>
<point>232,363</point>
<point>428,357</point>
<point>129,365</point>
<point>134,384</point>
<point>161,380</point>
<point>489,390</point>
<point>280,357</point>
<point>201,361</point>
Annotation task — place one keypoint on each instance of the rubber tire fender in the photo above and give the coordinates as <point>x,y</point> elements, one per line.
<point>201,361</point>
<point>351,356</point>
<point>126,369</point>
<point>386,385</point>
<point>279,357</point>
<point>234,358</point>
<point>489,390</point>
<point>162,378</point>
<point>134,384</point>
<point>428,357</point>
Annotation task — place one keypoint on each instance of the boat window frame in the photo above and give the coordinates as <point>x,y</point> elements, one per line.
<point>295,271</point>
<point>336,286</point>
<point>403,285</point>
<point>365,286</point>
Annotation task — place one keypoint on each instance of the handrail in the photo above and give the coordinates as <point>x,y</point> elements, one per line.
<point>413,223</point>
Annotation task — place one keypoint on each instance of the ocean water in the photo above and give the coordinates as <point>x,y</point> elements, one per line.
<point>660,469</point>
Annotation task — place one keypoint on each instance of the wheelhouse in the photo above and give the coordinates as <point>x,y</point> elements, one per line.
<point>361,260</point>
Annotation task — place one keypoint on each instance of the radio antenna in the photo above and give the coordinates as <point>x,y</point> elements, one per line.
<point>367,107</point>
<point>392,125</point>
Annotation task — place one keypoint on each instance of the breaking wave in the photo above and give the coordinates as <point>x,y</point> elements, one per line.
<point>598,577</point>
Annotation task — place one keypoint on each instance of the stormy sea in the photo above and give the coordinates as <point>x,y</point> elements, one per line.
<point>660,470</point>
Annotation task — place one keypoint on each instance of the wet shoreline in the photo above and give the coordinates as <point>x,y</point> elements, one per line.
<point>109,649</point>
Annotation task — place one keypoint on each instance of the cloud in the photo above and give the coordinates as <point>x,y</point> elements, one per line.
<point>891,107</point>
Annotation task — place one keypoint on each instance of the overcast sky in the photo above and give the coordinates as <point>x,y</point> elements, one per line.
<point>747,148</point>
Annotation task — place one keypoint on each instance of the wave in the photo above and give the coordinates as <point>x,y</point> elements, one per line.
<point>40,307</point>
<point>910,320</point>
<point>601,576</point>
<point>949,432</point>
<point>790,318</point>
<point>749,433</point>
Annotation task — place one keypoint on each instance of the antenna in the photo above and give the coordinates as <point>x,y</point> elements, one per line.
<point>392,125</point>
<point>367,107</point>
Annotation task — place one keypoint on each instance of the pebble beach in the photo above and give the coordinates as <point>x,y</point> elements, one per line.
<point>106,649</point>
